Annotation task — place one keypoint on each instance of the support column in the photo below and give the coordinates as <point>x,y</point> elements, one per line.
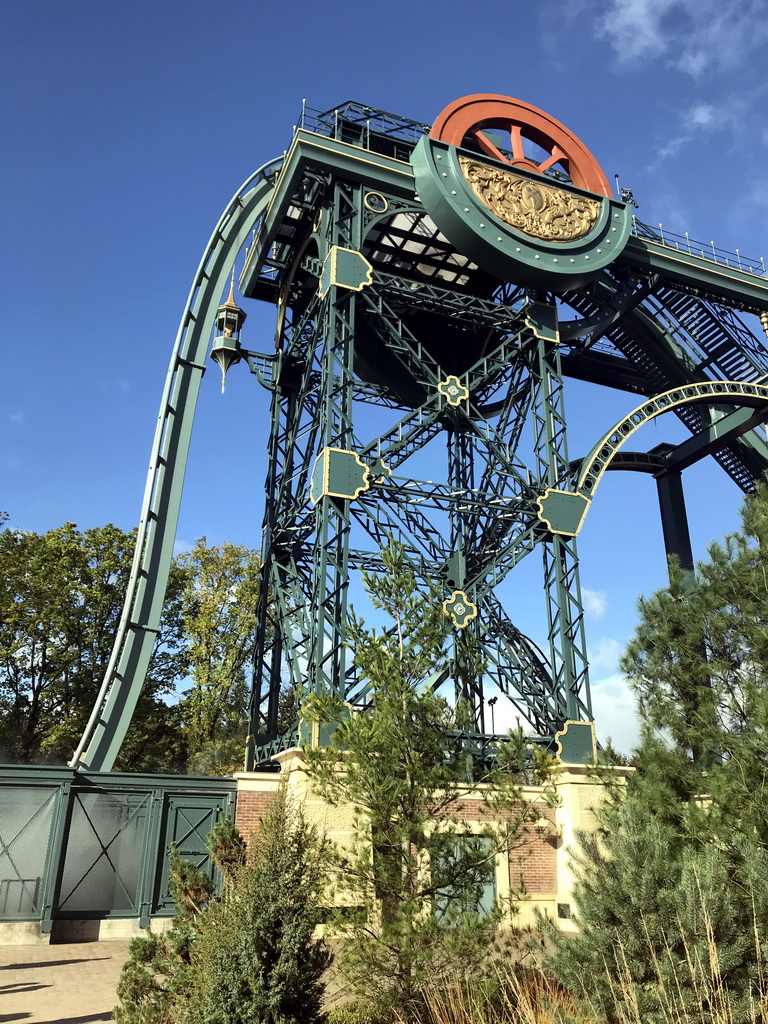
<point>674,519</point>
<point>565,612</point>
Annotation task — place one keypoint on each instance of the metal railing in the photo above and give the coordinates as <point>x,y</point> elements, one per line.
<point>705,250</point>
<point>361,122</point>
<point>365,126</point>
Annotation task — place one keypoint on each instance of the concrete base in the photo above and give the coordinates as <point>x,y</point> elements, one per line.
<point>23,933</point>
<point>27,933</point>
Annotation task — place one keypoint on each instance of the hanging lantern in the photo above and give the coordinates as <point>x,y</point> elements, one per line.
<point>226,345</point>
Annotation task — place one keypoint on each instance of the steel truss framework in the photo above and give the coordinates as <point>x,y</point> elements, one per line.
<point>396,359</point>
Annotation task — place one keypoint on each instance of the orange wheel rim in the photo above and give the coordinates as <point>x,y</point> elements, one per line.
<point>463,122</point>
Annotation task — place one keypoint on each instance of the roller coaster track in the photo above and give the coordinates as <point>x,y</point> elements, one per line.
<point>672,338</point>
<point>140,621</point>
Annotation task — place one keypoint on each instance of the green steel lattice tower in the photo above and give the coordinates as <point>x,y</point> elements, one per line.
<point>434,287</point>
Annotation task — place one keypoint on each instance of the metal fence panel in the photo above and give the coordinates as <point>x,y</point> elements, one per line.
<point>92,845</point>
<point>25,825</point>
<point>187,823</point>
<point>105,848</point>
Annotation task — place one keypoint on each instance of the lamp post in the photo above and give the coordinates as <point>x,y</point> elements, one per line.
<point>491,705</point>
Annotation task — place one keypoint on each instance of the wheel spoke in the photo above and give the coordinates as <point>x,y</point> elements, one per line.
<point>487,146</point>
<point>556,155</point>
<point>516,138</point>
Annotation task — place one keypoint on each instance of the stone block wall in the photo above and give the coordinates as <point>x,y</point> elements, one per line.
<point>542,857</point>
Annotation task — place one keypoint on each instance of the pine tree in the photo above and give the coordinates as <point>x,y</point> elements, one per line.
<point>414,873</point>
<point>256,957</point>
<point>672,896</point>
<point>156,974</point>
<point>249,955</point>
<point>652,904</point>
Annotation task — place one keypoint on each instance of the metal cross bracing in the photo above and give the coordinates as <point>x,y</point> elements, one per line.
<point>466,530</point>
<point>439,388</point>
<point>474,528</point>
<point>672,338</point>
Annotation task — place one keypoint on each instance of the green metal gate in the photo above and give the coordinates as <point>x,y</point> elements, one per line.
<point>95,845</point>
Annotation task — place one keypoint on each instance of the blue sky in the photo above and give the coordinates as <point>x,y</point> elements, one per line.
<point>127,127</point>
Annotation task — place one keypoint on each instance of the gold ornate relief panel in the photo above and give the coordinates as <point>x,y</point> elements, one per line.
<point>535,208</point>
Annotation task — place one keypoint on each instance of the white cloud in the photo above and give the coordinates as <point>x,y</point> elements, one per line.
<point>180,546</point>
<point>604,655</point>
<point>613,706</point>
<point>595,602</point>
<point>634,27</point>
<point>698,37</point>
<point>698,119</point>
<point>702,115</point>
<point>116,384</point>
<point>505,717</point>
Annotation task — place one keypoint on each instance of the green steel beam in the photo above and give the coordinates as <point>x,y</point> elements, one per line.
<point>713,437</point>
<point>674,520</point>
<point>704,277</point>
<point>338,159</point>
<point>562,587</point>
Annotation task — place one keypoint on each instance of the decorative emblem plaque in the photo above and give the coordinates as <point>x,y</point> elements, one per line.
<point>535,208</point>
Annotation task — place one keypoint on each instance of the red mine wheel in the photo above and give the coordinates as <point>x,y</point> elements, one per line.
<point>463,123</point>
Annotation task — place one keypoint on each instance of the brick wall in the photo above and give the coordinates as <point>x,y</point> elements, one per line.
<point>535,859</point>
<point>541,857</point>
<point>250,808</point>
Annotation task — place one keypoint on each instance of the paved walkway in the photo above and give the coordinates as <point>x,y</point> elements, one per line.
<point>70,983</point>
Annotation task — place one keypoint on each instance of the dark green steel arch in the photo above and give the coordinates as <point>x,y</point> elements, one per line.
<point>140,620</point>
<point>705,392</point>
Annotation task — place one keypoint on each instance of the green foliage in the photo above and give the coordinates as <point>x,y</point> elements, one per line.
<point>400,923</point>
<point>652,909</point>
<point>61,597</point>
<point>227,847</point>
<point>247,956</point>
<point>191,888</point>
<point>219,598</point>
<point>156,976</point>
<point>355,1011</point>
<point>672,898</point>
<point>256,957</point>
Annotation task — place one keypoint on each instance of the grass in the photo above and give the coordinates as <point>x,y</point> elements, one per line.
<point>688,988</point>
<point>510,995</point>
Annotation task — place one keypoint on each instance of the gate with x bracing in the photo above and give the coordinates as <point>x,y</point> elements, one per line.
<point>78,846</point>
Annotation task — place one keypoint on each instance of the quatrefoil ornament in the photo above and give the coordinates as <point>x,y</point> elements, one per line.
<point>453,390</point>
<point>459,609</point>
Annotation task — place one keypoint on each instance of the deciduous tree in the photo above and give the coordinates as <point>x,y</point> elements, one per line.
<point>61,596</point>
<point>218,607</point>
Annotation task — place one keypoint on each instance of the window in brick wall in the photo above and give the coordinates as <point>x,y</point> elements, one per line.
<point>464,871</point>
